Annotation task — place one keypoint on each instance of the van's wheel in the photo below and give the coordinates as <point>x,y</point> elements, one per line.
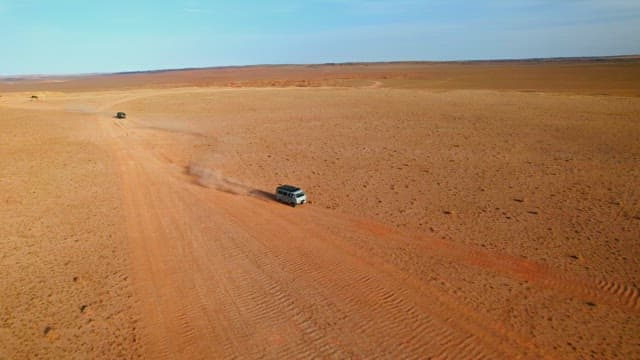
<point>294,204</point>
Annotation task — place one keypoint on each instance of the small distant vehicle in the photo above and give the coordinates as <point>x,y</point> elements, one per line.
<point>121,115</point>
<point>291,195</point>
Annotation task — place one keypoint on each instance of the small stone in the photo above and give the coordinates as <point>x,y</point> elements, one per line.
<point>448,212</point>
<point>533,212</point>
<point>518,200</point>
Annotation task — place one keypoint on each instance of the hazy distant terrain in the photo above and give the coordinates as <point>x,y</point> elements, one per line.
<point>593,76</point>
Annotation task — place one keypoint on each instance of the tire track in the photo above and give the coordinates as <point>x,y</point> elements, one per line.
<point>137,231</point>
<point>158,271</point>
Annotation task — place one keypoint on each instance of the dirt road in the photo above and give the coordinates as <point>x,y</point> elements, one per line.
<point>220,270</point>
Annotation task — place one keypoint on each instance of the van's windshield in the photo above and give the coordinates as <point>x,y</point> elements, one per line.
<point>299,194</point>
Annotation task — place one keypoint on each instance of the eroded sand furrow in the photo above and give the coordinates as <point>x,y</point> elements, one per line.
<point>605,291</point>
<point>632,297</point>
<point>571,285</point>
<point>626,294</point>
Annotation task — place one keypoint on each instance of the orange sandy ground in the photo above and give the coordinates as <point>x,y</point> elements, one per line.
<point>453,213</point>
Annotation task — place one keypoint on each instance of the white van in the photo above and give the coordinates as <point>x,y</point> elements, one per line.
<point>290,195</point>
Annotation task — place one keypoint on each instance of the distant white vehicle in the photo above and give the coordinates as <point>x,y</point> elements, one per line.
<point>290,195</point>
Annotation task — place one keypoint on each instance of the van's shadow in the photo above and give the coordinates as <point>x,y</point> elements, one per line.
<point>262,194</point>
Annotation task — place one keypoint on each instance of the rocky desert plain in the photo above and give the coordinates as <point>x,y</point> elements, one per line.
<point>456,210</point>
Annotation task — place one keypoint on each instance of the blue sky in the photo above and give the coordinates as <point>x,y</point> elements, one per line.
<point>69,36</point>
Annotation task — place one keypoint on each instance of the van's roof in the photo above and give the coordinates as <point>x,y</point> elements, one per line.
<point>290,188</point>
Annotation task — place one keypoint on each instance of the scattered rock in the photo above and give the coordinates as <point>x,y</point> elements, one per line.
<point>83,308</point>
<point>533,212</point>
<point>518,200</point>
<point>575,257</point>
<point>590,303</point>
<point>47,329</point>
<point>448,212</point>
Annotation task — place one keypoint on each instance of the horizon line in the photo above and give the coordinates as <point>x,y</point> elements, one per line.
<point>620,57</point>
